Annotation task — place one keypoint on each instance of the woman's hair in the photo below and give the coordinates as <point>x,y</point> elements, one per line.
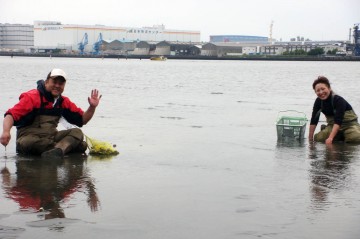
<point>321,79</point>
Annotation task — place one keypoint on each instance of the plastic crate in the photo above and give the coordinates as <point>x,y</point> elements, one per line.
<point>292,125</point>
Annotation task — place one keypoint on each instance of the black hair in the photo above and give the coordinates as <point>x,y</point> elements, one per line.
<point>321,79</point>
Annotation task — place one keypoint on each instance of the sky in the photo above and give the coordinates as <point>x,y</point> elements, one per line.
<point>311,19</point>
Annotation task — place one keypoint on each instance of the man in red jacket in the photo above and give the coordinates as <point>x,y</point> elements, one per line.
<point>37,114</point>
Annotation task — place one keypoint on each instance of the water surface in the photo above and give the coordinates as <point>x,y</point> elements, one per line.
<point>199,155</point>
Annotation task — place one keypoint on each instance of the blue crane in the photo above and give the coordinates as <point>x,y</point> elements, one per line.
<point>97,44</point>
<point>83,43</point>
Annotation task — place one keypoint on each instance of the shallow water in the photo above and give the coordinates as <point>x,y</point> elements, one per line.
<point>199,155</point>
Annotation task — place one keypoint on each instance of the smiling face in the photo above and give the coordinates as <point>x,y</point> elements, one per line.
<point>322,91</point>
<point>55,85</point>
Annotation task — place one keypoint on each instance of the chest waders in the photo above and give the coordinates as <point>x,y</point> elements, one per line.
<point>42,135</point>
<point>349,130</point>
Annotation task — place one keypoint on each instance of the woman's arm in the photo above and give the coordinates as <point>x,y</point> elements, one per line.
<point>334,131</point>
<point>311,132</point>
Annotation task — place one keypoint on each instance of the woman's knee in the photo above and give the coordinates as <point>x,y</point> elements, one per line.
<point>352,134</point>
<point>323,134</point>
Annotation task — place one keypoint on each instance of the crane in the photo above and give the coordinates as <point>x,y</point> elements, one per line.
<point>356,39</point>
<point>83,43</point>
<point>97,44</point>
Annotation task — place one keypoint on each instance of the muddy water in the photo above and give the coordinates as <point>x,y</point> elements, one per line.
<point>199,155</point>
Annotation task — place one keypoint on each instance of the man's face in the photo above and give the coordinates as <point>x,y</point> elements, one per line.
<point>55,85</point>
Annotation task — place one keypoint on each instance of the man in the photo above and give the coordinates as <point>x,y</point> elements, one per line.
<point>37,115</point>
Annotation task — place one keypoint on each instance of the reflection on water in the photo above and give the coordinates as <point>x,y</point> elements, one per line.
<point>43,186</point>
<point>290,142</point>
<point>330,170</point>
<point>198,150</point>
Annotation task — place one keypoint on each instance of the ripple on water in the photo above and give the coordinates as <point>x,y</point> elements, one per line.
<point>10,232</point>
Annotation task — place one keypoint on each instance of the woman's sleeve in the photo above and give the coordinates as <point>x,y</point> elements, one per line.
<point>315,116</point>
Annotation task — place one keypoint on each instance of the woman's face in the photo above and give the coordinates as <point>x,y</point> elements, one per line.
<point>322,91</point>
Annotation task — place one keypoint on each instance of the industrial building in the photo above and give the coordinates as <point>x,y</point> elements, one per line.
<point>280,48</point>
<point>166,48</point>
<point>356,34</point>
<point>222,49</point>
<point>15,37</point>
<point>238,39</point>
<point>54,35</point>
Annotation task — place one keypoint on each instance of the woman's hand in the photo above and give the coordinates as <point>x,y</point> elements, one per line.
<point>329,140</point>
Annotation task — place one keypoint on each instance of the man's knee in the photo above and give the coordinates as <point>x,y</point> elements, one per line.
<point>33,144</point>
<point>77,134</point>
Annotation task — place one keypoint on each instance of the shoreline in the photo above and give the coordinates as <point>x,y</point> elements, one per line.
<point>241,58</point>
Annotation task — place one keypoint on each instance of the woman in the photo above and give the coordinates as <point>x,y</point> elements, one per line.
<point>342,123</point>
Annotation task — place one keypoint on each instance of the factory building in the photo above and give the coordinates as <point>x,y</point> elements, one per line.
<point>221,49</point>
<point>16,37</point>
<point>356,46</point>
<point>238,39</point>
<point>166,48</point>
<point>54,37</point>
<point>49,34</point>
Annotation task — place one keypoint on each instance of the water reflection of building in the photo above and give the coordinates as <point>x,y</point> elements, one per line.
<point>45,185</point>
<point>329,170</point>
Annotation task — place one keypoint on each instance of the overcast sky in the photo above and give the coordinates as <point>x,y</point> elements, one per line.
<point>313,19</point>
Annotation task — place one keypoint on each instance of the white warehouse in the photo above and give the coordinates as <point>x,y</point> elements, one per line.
<point>51,35</point>
<point>16,37</point>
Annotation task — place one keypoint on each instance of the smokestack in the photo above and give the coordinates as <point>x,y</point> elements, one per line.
<point>350,34</point>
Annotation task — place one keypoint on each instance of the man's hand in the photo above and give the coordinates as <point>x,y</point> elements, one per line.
<point>5,138</point>
<point>94,99</point>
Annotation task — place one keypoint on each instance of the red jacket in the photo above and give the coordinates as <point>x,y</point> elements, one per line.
<point>40,102</point>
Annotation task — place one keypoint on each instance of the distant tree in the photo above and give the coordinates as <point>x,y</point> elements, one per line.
<point>56,51</point>
<point>332,52</point>
<point>297,52</point>
<point>317,51</point>
<point>286,53</point>
<point>300,52</point>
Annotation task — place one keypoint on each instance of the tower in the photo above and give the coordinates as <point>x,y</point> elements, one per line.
<point>270,35</point>
<point>356,35</point>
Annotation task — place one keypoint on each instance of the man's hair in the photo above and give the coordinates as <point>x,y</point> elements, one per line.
<point>321,79</point>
